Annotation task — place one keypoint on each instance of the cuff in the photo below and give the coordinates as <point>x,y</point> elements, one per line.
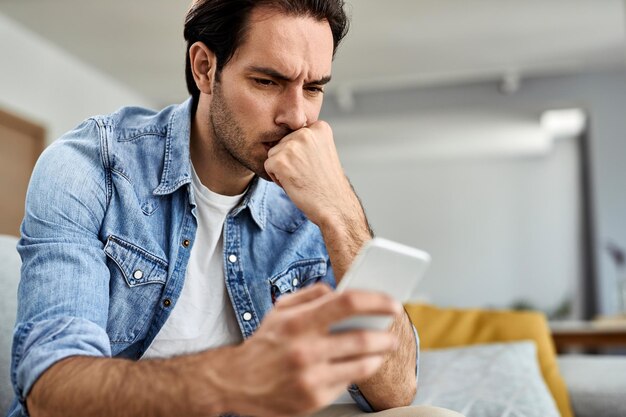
<point>360,399</point>
<point>37,346</point>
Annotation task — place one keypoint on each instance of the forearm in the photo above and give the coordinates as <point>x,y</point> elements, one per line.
<point>345,233</point>
<point>394,385</point>
<point>88,386</point>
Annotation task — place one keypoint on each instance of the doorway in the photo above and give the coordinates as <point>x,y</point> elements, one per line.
<point>21,143</point>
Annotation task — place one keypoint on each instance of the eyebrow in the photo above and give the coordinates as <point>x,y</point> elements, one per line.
<point>270,72</point>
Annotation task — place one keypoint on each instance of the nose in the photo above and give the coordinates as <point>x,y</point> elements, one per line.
<point>291,112</point>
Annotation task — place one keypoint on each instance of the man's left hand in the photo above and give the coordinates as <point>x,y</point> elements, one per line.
<point>306,165</point>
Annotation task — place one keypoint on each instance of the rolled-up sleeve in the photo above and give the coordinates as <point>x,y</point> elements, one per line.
<point>63,295</point>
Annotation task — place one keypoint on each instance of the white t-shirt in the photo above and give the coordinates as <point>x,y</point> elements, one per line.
<point>203,316</point>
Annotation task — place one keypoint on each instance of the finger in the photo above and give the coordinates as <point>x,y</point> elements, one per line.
<point>321,128</point>
<point>347,372</point>
<point>275,179</point>
<point>282,143</point>
<point>270,169</point>
<point>352,344</point>
<point>303,296</point>
<point>339,306</point>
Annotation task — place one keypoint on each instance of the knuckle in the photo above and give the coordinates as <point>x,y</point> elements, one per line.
<point>293,326</point>
<point>350,301</point>
<point>280,163</point>
<point>327,131</point>
<point>321,289</point>
<point>287,146</point>
<point>324,125</point>
<point>308,135</point>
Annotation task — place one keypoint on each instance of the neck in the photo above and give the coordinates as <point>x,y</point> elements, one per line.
<point>216,168</point>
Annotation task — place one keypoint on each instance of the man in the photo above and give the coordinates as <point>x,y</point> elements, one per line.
<point>176,238</point>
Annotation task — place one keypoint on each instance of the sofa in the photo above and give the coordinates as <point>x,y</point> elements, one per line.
<point>9,278</point>
<point>593,385</point>
<point>493,363</point>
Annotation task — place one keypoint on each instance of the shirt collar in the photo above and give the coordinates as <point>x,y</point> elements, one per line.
<point>177,166</point>
<point>255,200</point>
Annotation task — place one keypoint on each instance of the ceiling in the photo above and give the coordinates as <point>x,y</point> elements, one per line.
<point>392,44</point>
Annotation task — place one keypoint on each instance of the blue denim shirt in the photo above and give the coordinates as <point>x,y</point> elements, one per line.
<point>113,197</point>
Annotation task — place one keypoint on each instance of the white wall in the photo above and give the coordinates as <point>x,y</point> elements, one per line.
<point>500,228</point>
<point>41,82</point>
<point>499,225</point>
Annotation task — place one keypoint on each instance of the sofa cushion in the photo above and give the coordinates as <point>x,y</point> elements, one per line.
<point>597,384</point>
<point>490,380</point>
<point>9,279</point>
<point>447,327</point>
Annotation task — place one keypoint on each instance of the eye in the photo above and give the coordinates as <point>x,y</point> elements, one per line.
<point>264,82</point>
<point>314,90</point>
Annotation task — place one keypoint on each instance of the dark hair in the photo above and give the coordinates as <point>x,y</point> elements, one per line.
<point>222,24</point>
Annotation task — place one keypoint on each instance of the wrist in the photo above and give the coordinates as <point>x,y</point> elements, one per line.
<point>352,229</point>
<point>205,385</point>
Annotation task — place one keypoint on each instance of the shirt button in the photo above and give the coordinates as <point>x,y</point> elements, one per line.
<point>167,302</point>
<point>138,274</point>
<point>232,259</point>
<point>186,243</point>
<point>295,282</point>
<point>247,316</point>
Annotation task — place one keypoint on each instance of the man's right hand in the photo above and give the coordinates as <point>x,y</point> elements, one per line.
<point>292,365</point>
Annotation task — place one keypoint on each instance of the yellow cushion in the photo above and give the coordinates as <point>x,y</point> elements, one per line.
<point>441,328</point>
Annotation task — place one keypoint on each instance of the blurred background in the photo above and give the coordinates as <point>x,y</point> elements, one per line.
<point>490,133</point>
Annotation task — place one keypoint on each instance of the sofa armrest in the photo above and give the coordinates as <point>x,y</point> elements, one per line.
<point>596,384</point>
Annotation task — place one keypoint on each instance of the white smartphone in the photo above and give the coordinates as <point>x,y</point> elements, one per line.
<point>383,266</point>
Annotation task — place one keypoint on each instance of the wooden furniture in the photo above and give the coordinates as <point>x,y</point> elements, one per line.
<point>597,334</point>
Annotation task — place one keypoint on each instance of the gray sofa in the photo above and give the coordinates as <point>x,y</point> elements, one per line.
<point>597,384</point>
<point>9,277</point>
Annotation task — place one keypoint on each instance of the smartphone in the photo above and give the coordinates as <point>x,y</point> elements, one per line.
<point>384,266</point>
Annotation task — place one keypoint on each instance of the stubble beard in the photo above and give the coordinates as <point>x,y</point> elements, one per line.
<point>230,141</point>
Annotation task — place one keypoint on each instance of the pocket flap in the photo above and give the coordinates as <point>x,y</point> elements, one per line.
<point>299,274</point>
<point>138,266</point>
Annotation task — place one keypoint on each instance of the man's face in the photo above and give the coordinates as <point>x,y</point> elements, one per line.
<point>272,86</point>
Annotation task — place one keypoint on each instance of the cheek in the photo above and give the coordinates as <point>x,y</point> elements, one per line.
<point>313,110</point>
<point>254,111</point>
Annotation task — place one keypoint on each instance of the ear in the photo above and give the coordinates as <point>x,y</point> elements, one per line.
<point>203,66</point>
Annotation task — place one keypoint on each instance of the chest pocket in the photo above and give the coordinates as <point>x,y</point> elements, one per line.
<point>136,285</point>
<point>297,275</point>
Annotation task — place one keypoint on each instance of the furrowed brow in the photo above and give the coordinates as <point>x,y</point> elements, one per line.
<point>270,72</point>
<point>321,81</point>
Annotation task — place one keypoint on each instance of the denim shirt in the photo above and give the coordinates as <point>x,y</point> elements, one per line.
<point>109,226</point>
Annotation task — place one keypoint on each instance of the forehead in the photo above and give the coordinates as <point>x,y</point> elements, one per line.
<point>297,46</point>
